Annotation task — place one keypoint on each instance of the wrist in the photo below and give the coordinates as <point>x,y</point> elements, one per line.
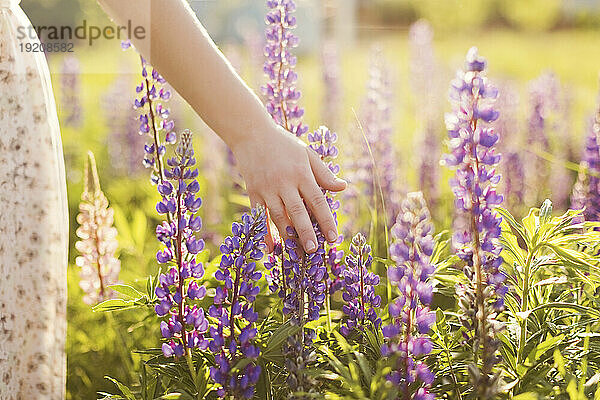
<point>252,133</point>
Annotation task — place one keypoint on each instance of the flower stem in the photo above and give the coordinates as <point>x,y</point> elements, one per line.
<point>524,306</point>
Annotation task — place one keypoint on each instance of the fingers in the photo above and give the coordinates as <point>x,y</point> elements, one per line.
<point>313,195</point>
<point>278,215</point>
<point>324,177</point>
<point>256,200</point>
<point>298,214</point>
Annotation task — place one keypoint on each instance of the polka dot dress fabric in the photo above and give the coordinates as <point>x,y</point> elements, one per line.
<point>33,222</point>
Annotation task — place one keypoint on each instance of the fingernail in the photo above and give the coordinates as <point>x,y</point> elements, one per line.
<point>332,236</point>
<point>310,246</point>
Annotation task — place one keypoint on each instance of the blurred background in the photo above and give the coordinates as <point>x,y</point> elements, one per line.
<point>543,55</point>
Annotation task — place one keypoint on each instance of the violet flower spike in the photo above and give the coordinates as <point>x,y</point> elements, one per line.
<point>406,341</point>
<point>233,307</point>
<point>184,325</point>
<point>427,88</point>
<point>322,141</point>
<point>280,91</point>
<point>473,157</point>
<point>71,92</point>
<point>154,119</point>
<point>586,191</point>
<point>361,302</point>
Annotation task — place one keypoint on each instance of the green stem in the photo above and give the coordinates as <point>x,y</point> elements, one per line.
<point>190,363</point>
<point>524,306</point>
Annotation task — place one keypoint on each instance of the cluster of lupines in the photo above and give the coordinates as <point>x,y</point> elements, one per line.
<point>99,265</point>
<point>586,192</point>
<point>233,307</point>
<point>472,154</point>
<point>280,92</point>
<point>154,118</point>
<point>359,289</point>
<point>411,318</point>
<point>71,92</point>
<point>426,85</point>
<point>185,323</point>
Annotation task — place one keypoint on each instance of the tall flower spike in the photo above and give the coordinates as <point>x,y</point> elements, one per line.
<point>322,141</point>
<point>124,143</point>
<point>281,92</point>
<point>406,341</point>
<point>71,92</point>
<point>184,324</point>
<point>377,121</point>
<point>511,146</point>
<point>543,103</point>
<point>426,85</point>
<point>233,308</point>
<point>586,192</point>
<point>99,265</point>
<point>154,119</point>
<point>331,73</point>
<point>359,289</point>
<point>473,157</point>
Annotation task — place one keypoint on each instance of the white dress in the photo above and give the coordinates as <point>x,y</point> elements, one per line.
<point>33,222</point>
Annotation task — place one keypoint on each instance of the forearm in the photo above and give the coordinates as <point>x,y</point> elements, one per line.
<point>184,54</point>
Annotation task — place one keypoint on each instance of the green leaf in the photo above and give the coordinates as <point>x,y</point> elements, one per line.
<point>170,396</point>
<point>124,389</point>
<point>112,305</point>
<point>275,343</point>
<point>526,396</point>
<point>545,212</point>
<point>541,348</point>
<point>127,291</point>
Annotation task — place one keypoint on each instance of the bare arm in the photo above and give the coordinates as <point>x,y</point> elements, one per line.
<point>279,170</point>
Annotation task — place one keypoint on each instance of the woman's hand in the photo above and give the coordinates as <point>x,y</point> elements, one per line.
<point>283,173</point>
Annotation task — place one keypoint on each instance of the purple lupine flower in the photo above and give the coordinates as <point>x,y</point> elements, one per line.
<point>512,167</point>
<point>184,323</point>
<point>331,73</point>
<point>586,191</point>
<point>406,341</point>
<point>305,278</point>
<point>473,157</point>
<point>97,245</point>
<point>154,120</point>
<point>304,274</point>
<point>124,142</point>
<point>322,141</point>
<point>359,289</point>
<point>70,104</point>
<point>233,307</point>
<point>426,85</point>
<point>280,92</point>
<point>543,104</point>
<point>375,169</point>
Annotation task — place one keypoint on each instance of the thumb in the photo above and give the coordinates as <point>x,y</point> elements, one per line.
<point>324,177</point>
